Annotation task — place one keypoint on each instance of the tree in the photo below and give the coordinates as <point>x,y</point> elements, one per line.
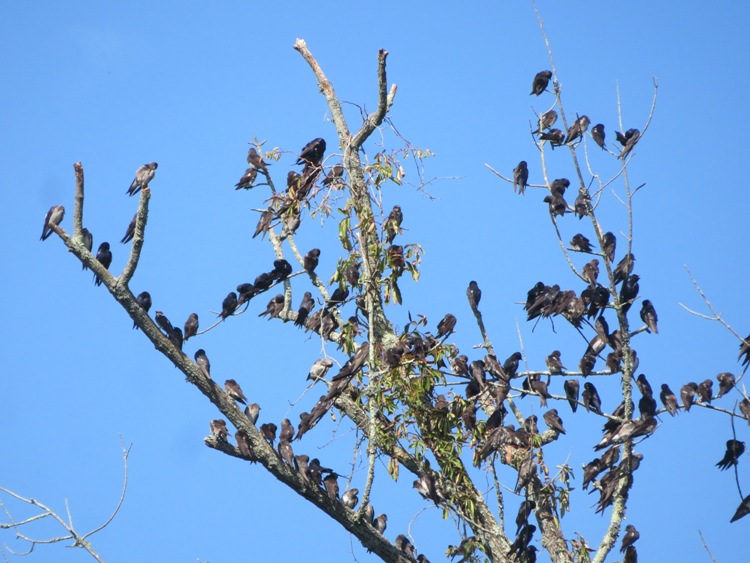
<point>410,381</point>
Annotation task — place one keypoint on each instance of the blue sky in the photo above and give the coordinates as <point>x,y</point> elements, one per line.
<point>115,86</point>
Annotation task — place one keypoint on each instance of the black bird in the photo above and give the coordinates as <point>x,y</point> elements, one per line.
<point>201,360</point>
<point>380,523</point>
<point>281,271</point>
<point>580,243</point>
<point>144,300</point>
<point>229,305</point>
<point>540,387</point>
<point>264,223</point>
<point>705,390</point>
<point>735,449</point>
<point>745,409</point>
<point>54,217</point>
<point>610,243</point>
<point>353,364</point>
<point>552,419</point>
<point>246,182</point>
<point>687,394</point>
<point>624,268</point>
<point>510,365</point>
<point>255,160</point>
<point>557,205</point>
<point>404,546</point>
<point>579,127</point>
<point>175,337</point>
<point>742,510</point>
<point>392,225</point>
<point>668,399</point>
<point>446,325</point>
<point>628,292</point>
<point>631,536</point>
<point>307,305</point>
<point>631,556</point>
<point>554,363</point>
<point>274,307</point>
<point>546,120</point>
<point>312,152</point>
<point>142,177</point>
<point>88,242</point>
<point>191,326</point>
<point>104,257</point>
<point>219,429</point>
<point>541,81</point>
<point>591,272</point>
<point>628,141</point>
<point>474,294</point>
<point>163,322</point>
<point>648,316</point>
<point>559,185</point>
<point>268,431</point>
<point>597,133</point>
<point>310,261</point>
<point>334,175</point>
<point>524,511</point>
<point>246,292</point>
<point>591,399</point>
<point>338,297</point>
<point>554,136</point>
<point>586,365</point>
<point>572,387</point>
<point>252,412</point>
<point>726,383</point>
<point>591,470</point>
<point>745,351</point>
<point>520,177</point>
<point>644,386</point>
<point>581,204</point>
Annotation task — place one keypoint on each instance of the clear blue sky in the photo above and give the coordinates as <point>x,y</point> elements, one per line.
<point>115,85</point>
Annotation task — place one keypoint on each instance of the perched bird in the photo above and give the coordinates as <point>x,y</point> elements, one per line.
<point>554,363</point>
<point>597,133</point>
<point>546,120</point>
<point>446,325</point>
<point>310,261</point>
<point>144,300</point>
<point>255,160</point>
<point>229,305</point>
<point>631,536</point>
<point>287,431</point>
<point>629,291</point>
<point>552,419</point>
<point>338,297</point>
<point>350,499</point>
<point>88,242</point>
<point>581,204</point>
<point>648,316</point>
<point>520,177</point>
<point>312,152</point>
<point>579,127</point>
<point>628,141</point>
<point>705,390</point>
<point>334,175</point>
<point>540,387</point>
<point>580,243</point>
<point>572,387</point>
<point>610,243</point>
<point>286,452</point>
<point>557,205</point>
<point>104,257</point>
<point>668,399</point>
<point>735,449</point>
<point>474,294</point>
<point>745,409</point>
<point>232,389</point>
<point>631,556</point>
<point>191,326</point>
<point>392,225</point>
<point>554,136</point>
<point>54,217</point>
<point>201,360</point>
<point>380,523</point>
<point>745,351</point>
<point>320,368</point>
<point>252,412</point>
<point>524,511</point>
<point>404,546</point>
<point>354,364</point>
<point>163,322</point>
<point>624,268</point>
<point>243,444</point>
<point>219,429</point>
<point>687,394</point>
<point>591,399</point>
<point>268,431</point>
<point>142,177</point>
<point>559,185</point>
<point>246,182</point>
<point>587,364</point>
<point>175,337</point>
<point>742,510</point>
<point>591,272</point>
<point>307,305</point>
<point>644,386</point>
<point>510,365</point>
<point>541,81</point>
<point>530,424</point>
<point>264,223</point>
<point>726,383</point>
<point>591,470</point>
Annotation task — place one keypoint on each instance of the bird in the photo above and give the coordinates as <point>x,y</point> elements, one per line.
<point>286,452</point>
<point>597,133</point>
<point>705,390</point>
<point>581,204</point>
<point>591,399</point>
<point>624,268</point>
<point>355,363</point>
<point>668,399</point>
<point>243,444</point>
<point>687,394</point>
<point>557,205</point>
<point>644,386</point>
<point>268,431</point>
<point>742,510</point>
<point>520,177</point>
<point>446,325</point>
<point>735,449</point>
<point>591,272</point>
<point>380,523</point>
<point>404,546</point>
<point>628,141</point>
<point>144,300</point>
<point>631,536</point>
<point>312,152</point>
<point>552,419</point>
<point>524,511</point>
<point>228,305</point>
<point>287,430</point>
<point>310,261</point>
<point>591,470</point>
<point>628,292</point>
<point>546,120</point>
<point>232,389</point>
<point>201,360</point>
<point>745,351</point>
<point>510,365</point>
<point>104,257</point>
<point>264,223</point>
<point>609,241</point>
<point>246,182</point>
<point>726,383</point>
<point>252,411</point>
<point>175,337</point>
<point>648,316</point>
<point>130,231</point>
<point>163,322</point>
<point>540,83</point>
<point>330,482</point>
<point>191,326</point>
<point>320,368</point>
<point>334,175</point>
<point>554,136</point>
<point>579,127</point>
<point>219,429</point>
<point>580,243</point>
<point>142,178</point>
<point>631,556</point>
<point>553,363</point>
<point>587,364</point>
<point>745,409</point>
<point>350,499</point>
<point>474,295</point>
<point>392,225</point>
<point>571,387</point>
<point>88,241</point>
<point>307,305</point>
<point>274,307</point>
<point>54,217</point>
<point>255,160</point>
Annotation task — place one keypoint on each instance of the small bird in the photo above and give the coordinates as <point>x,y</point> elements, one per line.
<point>735,449</point>
<point>591,272</point>
<point>104,257</point>
<point>648,316</point>
<point>287,430</point>
<point>243,444</point>
<point>286,452</point>
<point>631,536</point>
<point>54,217</point>
<point>745,409</point>
<point>312,152</point>
<point>252,412</point>
<point>228,305</point>
<point>510,365</point>
<point>219,429</point>
<point>232,389</point>
<point>446,325</point>
<point>552,419</point>
<point>142,177</point>
<point>334,175</point>
<point>201,360</point>
<point>130,231</point>
<point>610,243</point>
<point>597,133</point>
<point>591,399</point>
<point>546,120</point>
<point>264,223</point>
<point>628,141</point>
<point>310,261</point>
<point>520,177</point>
<point>644,386</point>
<point>144,300</point>
<point>579,127</point>
<point>742,510</point>
<point>191,326</point>
<point>380,523</point>
<point>268,431</point>
<point>631,556</point>
<point>540,83</point>
<point>88,242</point>
<point>307,305</point>
<point>581,204</point>
<point>246,182</point>
<point>554,363</point>
<point>524,511</point>
<point>404,546</point>
<point>554,136</point>
<point>330,482</point>
<point>571,387</point>
<point>668,399</point>
<point>320,368</point>
<point>557,205</point>
<point>726,383</point>
<point>705,390</point>
<point>392,225</point>
<point>163,322</point>
<point>587,364</point>
<point>591,470</point>
<point>745,351</point>
<point>175,337</point>
<point>687,394</point>
<point>580,243</point>
<point>628,292</point>
<point>624,268</point>
<point>350,499</point>
<point>274,307</point>
<point>255,160</point>
<point>474,294</point>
